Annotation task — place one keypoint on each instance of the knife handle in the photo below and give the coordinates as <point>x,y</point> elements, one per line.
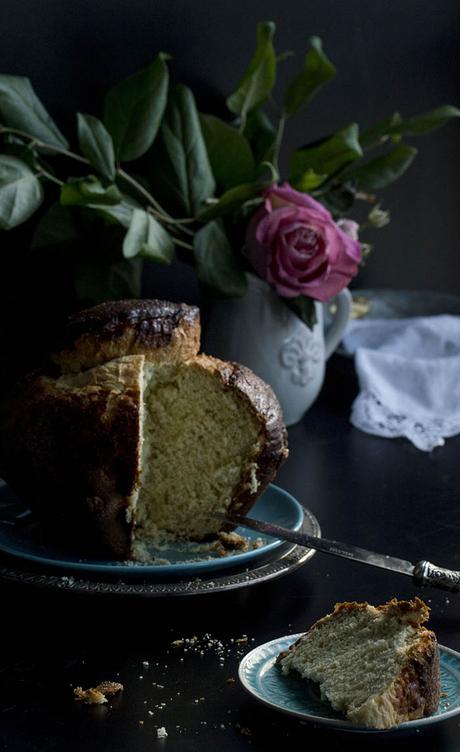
<point>426,573</point>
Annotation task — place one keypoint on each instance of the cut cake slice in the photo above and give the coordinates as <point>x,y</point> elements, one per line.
<point>377,665</point>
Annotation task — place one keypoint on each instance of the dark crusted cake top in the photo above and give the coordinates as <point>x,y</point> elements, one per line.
<point>154,328</point>
<point>111,319</point>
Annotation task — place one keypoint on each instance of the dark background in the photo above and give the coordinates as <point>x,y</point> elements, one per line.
<point>390,56</point>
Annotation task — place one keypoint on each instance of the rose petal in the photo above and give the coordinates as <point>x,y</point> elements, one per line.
<point>280,195</point>
<point>293,242</point>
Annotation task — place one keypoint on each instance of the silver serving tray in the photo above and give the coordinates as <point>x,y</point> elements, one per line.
<point>284,560</point>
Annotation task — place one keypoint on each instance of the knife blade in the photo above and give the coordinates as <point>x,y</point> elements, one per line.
<point>423,572</point>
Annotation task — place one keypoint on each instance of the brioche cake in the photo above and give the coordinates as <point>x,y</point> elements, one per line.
<point>377,665</point>
<point>129,435</point>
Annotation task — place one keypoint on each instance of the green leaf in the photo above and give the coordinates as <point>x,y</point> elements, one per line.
<point>229,152</point>
<point>56,227</point>
<point>89,190</point>
<point>304,308</point>
<point>133,109</point>
<point>259,79</point>
<point>217,265</point>
<point>329,155</point>
<point>317,71</point>
<point>21,192</point>
<point>182,178</point>
<point>308,181</point>
<point>147,238</point>
<point>395,125</point>
<point>230,201</point>
<point>97,145</point>
<point>380,172</point>
<point>261,134</point>
<point>118,213</point>
<point>21,108</point>
<point>376,133</point>
<point>429,121</point>
<point>339,198</point>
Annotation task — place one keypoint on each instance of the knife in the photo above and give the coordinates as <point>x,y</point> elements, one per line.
<point>424,573</point>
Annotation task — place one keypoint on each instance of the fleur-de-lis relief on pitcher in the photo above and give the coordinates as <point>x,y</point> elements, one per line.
<point>260,331</point>
<point>300,356</point>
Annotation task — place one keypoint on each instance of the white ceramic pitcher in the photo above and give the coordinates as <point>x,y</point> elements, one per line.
<point>260,331</point>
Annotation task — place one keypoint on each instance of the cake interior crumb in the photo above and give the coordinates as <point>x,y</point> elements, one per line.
<point>199,446</point>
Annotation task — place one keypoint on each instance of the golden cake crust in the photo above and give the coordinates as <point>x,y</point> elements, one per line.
<point>414,693</point>
<point>417,689</point>
<point>70,448</point>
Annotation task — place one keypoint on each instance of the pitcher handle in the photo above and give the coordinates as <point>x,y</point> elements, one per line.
<point>341,317</point>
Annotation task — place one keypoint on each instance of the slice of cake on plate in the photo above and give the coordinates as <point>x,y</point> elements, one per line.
<point>377,665</point>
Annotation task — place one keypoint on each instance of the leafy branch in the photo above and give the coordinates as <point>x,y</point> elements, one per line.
<point>197,178</point>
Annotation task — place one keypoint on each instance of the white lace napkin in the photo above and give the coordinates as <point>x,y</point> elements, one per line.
<point>409,377</point>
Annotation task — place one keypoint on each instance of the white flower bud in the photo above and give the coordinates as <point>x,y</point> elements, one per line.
<point>378,217</point>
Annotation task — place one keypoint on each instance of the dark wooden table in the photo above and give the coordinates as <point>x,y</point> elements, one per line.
<point>381,494</point>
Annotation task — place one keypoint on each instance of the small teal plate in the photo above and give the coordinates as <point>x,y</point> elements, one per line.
<point>292,695</point>
<point>184,560</point>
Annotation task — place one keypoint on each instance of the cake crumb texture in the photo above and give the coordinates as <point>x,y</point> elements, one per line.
<point>379,666</point>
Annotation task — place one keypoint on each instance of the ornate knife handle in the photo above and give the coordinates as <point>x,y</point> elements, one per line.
<point>426,573</point>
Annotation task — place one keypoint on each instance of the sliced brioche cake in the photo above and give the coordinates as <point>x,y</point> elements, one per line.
<point>377,665</point>
<point>129,435</point>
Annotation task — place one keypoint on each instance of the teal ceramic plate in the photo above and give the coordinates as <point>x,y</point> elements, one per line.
<point>23,540</point>
<point>295,696</point>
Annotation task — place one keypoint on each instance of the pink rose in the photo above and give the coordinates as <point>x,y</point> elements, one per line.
<point>293,243</point>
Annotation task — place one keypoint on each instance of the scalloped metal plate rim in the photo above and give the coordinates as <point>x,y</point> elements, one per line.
<point>285,560</point>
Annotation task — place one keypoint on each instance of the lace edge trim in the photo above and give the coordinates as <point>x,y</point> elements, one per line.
<point>372,416</point>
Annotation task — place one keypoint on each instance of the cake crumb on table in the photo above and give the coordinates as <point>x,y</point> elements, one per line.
<point>109,687</point>
<point>97,695</point>
<point>89,696</point>
<point>244,730</point>
<point>241,640</point>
